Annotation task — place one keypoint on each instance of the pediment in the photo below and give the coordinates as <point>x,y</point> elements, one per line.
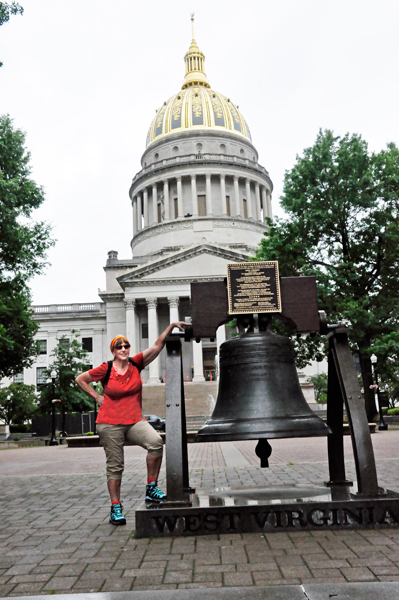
<point>202,261</point>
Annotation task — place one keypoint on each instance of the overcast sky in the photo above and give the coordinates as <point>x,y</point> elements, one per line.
<point>83,79</point>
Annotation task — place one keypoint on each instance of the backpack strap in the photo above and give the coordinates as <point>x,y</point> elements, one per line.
<point>108,373</point>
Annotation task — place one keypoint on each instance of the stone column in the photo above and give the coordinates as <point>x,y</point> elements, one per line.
<point>179,198</point>
<point>145,199</point>
<point>194,197</point>
<point>152,337</point>
<point>166,199</point>
<point>248,194</point>
<point>220,338</point>
<point>209,210</point>
<point>139,212</point>
<point>269,204</point>
<point>237,196</point>
<point>134,214</point>
<point>173,308</point>
<point>264,203</point>
<point>154,204</point>
<point>131,328</point>
<point>223,194</point>
<point>198,361</point>
<point>257,197</point>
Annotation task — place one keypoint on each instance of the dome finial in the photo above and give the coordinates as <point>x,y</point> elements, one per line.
<point>195,60</point>
<point>192,26</point>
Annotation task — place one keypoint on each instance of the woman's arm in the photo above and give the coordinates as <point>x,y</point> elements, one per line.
<point>83,381</point>
<point>152,352</point>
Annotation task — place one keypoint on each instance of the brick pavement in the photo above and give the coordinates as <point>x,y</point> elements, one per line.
<point>55,536</point>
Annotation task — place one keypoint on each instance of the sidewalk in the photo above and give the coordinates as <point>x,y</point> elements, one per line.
<point>55,536</point>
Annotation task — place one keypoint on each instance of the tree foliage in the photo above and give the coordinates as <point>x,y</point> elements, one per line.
<point>17,403</point>
<point>6,10</point>
<point>342,227</point>
<point>23,246</point>
<point>320,387</point>
<point>68,361</point>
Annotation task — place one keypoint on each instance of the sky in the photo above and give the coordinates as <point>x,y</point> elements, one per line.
<point>83,79</point>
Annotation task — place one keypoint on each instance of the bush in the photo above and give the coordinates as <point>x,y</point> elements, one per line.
<point>393,411</point>
<point>26,428</point>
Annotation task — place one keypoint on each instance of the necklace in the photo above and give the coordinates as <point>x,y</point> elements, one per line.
<point>125,377</point>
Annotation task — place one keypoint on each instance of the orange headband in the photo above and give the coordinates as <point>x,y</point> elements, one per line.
<point>118,337</point>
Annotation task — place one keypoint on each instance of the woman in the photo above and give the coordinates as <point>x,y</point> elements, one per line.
<point>120,416</point>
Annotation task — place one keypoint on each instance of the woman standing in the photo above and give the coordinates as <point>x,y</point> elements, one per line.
<point>120,416</point>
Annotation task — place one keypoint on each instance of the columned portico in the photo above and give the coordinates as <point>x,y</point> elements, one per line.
<point>194,198</point>
<point>166,199</point>
<point>237,196</point>
<point>257,199</point>
<point>223,194</point>
<point>179,198</point>
<point>209,208</point>
<point>145,199</point>
<point>134,214</point>
<point>139,212</point>
<point>198,362</point>
<point>131,325</point>
<point>248,194</point>
<point>173,302</point>
<point>154,204</point>
<point>152,336</point>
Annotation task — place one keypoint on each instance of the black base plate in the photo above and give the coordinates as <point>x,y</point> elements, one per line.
<point>264,510</point>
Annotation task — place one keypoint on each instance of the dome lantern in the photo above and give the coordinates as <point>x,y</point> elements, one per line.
<point>195,63</point>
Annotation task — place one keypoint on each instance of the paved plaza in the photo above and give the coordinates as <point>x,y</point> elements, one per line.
<point>55,536</point>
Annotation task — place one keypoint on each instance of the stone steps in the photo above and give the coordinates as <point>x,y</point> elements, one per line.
<point>197,396</point>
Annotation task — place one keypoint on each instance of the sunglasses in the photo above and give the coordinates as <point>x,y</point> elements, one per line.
<point>120,346</point>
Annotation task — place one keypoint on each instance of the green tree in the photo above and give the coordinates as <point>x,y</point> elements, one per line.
<point>23,246</point>
<point>342,226</point>
<point>68,361</point>
<point>320,387</point>
<point>6,10</point>
<point>17,403</point>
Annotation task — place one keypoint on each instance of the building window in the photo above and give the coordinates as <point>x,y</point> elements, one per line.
<point>159,213</point>
<point>41,377</point>
<point>144,331</point>
<point>176,206</point>
<point>228,206</point>
<point>42,346</point>
<point>64,343</point>
<point>244,203</point>
<point>18,378</point>
<point>202,206</point>
<point>87,344</point>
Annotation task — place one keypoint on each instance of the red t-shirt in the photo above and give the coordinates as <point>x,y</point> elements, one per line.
<point>122,394</point>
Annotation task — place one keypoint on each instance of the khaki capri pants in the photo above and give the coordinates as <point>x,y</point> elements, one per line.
<point>113,438</point>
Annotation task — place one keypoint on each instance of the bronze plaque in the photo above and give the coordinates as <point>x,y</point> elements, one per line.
<point>253,287</point>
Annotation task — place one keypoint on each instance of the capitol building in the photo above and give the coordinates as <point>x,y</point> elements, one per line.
<point>198,202</point>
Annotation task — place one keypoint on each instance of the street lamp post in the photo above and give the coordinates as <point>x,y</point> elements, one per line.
<point>382,426</point>
<point>53,439</point>
<point>95,409</point>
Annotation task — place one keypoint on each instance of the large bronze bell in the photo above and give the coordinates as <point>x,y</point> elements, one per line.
<point>259,393</point>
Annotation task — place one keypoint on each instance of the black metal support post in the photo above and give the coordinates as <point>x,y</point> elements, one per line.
<point>53,439</point>
<point>177,480</point>
<point>343,388</point>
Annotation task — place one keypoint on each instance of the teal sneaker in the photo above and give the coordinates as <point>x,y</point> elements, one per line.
<point>153,493</point>
<point>116,517</point>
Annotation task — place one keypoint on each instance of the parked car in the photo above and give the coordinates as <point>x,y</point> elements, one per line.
<point>158,423</point>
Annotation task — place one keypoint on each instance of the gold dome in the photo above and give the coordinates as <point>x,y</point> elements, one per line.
<point>196,106</point>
